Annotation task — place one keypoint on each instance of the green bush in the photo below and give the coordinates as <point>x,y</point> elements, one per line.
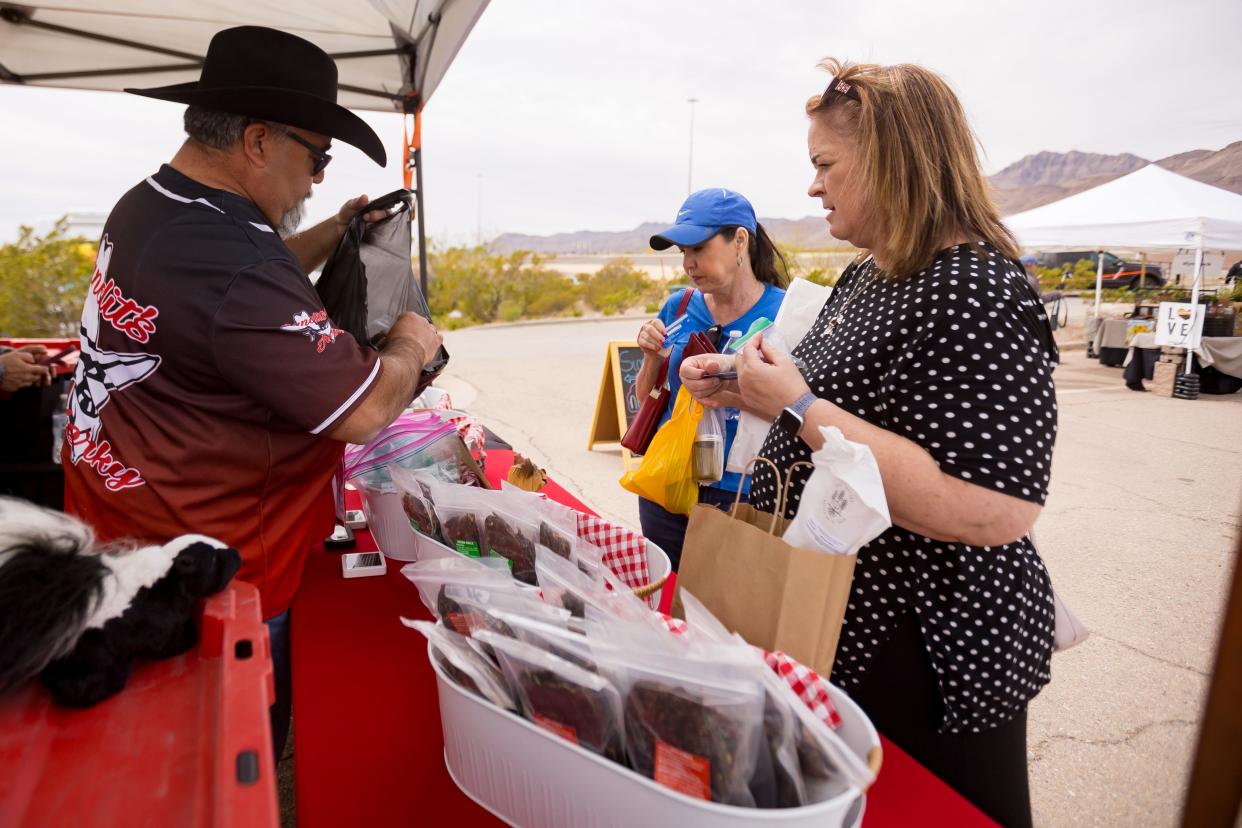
<point>618,286</point>
<point>43,282</point>
<point>486,287</point>
<point>510,311</point>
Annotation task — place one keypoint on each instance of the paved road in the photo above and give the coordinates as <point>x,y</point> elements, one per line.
<point>1139,532</point>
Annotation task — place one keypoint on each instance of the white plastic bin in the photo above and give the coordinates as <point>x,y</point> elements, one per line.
<point>533,779</point>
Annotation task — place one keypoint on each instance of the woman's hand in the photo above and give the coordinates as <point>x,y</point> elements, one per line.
<point>651,339</point>
<point>767,378</point>
<point>698,377</point>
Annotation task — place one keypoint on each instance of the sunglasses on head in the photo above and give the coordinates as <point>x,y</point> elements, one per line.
<point>321,157</point>
<point>842,87</point>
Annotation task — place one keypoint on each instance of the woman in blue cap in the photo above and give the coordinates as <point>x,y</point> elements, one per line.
<point>737,276</point>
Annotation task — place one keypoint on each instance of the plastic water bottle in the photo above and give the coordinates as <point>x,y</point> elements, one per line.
<point>732,415</point>
<point>59,420</point>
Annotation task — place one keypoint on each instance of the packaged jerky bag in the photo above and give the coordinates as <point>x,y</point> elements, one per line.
<point>561,697</point>
<point>692,725</point>
<point>557,640</point>
<point>460,511</point>
<point>473,606</point>
<point>826,761</point>
<point>417,499</point>
<point>513,539</point>
<point>565,585</point>
<point>432,575</point>
<point>368,280</point>
<point>695,735</point>
<point>463,665</point>
<point>777,782</point>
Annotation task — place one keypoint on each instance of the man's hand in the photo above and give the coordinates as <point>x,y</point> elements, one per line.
<point>416,329</point>
<point>350,209</point>
<point>22,369</point>
<point>768,379</point>
<point>410,343</point>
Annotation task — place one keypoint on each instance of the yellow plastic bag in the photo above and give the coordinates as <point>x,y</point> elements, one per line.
<point>666,473</point>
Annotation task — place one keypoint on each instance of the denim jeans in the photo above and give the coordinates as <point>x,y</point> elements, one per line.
<point>667,530</point>
<point>282,708</point>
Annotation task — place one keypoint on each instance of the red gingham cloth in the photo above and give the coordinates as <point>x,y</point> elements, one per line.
<point>812,689</point>
<point>624,551</point>
<point>674,625</point>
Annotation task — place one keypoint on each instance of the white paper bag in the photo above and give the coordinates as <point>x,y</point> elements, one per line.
<point>800,308</point>
<point>843,505</point>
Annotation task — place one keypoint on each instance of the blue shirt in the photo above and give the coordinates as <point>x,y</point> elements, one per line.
<point>699,318</point>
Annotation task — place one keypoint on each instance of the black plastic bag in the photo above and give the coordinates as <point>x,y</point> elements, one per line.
<point>368,280</point>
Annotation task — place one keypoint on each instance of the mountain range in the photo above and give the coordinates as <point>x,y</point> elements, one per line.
<point>1035,180</point>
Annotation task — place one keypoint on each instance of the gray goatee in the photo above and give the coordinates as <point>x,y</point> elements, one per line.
<point>290,220</point>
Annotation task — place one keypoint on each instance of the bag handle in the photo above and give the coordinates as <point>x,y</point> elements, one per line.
<point>783,492</point>
<point>746,472</point>
<point>782,487</point>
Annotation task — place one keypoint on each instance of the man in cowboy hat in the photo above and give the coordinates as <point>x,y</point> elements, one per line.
<point>213,394</point>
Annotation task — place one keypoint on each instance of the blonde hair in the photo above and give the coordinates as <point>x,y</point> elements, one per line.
<point>919,165</point>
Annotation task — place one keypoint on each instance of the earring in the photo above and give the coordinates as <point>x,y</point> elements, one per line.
<point>739,259</point>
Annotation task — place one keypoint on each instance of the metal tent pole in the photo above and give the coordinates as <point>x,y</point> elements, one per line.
<point>422,230</point>
<point>1099,282</point>
<point>1194,292</point>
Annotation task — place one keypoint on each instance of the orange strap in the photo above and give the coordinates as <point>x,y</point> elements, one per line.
<point>412,142</point>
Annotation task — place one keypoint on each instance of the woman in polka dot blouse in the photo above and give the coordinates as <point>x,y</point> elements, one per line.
<point>933,351</point>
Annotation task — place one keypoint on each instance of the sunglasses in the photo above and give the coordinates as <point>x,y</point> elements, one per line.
<point>321,157</point>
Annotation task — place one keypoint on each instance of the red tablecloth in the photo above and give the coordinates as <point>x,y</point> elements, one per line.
<point>367,739</point>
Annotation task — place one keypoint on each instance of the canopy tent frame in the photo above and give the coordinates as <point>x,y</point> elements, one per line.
<point>1151,208</point>
<point>409,100</point>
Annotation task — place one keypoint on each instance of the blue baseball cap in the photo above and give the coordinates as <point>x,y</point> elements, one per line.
<point>1029,259</point>
<point>703,215</point>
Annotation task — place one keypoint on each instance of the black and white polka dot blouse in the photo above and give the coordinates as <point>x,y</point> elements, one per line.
<point>953,360</point>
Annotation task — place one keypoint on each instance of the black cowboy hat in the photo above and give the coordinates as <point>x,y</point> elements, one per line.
<point>273,76</point>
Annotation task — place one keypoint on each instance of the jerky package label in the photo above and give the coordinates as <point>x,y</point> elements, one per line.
<point>468,548</point>
<point>552,726</point>
<point>683,772</point>
<point>456,621</point>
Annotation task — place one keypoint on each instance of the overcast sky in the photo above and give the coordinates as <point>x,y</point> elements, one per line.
<point>574,115</point>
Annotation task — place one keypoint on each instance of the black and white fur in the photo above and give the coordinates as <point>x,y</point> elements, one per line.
<point>78,615</point>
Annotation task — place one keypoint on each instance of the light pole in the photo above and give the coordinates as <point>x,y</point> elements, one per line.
<point>690,167</point>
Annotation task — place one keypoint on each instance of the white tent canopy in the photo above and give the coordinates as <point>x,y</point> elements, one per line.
<point>1150,208</point>
<point>391,53</point>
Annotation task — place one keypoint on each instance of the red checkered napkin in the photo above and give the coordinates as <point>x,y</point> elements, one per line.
<point>624,551</point>
<point>812,689</point>
<point>674,625</point>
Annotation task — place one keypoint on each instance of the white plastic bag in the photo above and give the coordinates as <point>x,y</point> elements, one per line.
<point>708,450</point>
<point>843,506</point>
<point>799,309</point>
